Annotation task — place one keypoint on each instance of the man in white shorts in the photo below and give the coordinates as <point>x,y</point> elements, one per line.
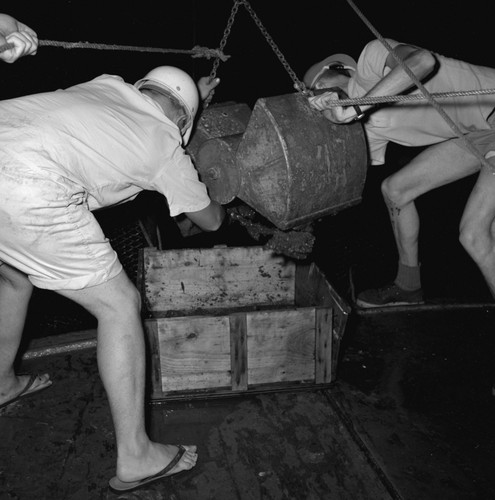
<point>418,123</point>
<point>62,155</point>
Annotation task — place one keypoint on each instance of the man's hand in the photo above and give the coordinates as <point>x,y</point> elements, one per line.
<point>23,38</point>
<point>335,114</point>
<point>205,86</point>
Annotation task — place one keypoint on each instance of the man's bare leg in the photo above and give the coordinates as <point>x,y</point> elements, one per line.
<point>15,294</point>
<point>477,228</point>
<point>436,166</point>
<point>121,362</point>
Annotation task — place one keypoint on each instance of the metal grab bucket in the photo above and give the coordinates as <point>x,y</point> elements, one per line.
<point>218,120</point>
<point>217,167</point>
<point>295,165</point>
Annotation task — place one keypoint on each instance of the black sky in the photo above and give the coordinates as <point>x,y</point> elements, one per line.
<point>304,31</point>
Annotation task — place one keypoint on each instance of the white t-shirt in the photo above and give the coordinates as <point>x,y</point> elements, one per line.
<point>105,136</point>
<point>418,123</point>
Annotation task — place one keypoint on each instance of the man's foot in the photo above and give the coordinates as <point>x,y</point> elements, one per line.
<point>183,458</point>
<point>389,295</point>
<point>25,385</point>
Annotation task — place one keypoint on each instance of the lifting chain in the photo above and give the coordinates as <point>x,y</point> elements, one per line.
<point>296,244</point>
<point>223,42</point>
<point>297,83</point>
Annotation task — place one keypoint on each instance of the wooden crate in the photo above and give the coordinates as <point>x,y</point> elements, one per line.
<point>225,321</point>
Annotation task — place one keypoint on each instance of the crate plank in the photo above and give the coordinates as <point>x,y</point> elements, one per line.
<point>238,352</point>
<point>227,321</point>
<point>192,279</point>
<point>194,352</point>
<point>281,346</point>
<point>324,344</point>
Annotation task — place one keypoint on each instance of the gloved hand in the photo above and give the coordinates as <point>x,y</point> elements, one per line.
<point>336,114</point>
<point>22,37</point>
<point>206,87</point>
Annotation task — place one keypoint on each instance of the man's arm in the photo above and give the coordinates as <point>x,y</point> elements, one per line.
<point>209,218</point>
<point>421,62</point>
<point>22,37</point>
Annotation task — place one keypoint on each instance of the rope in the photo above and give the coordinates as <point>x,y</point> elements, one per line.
<point>400,98</point>
<point>469,145</point>
<point>196,51</point>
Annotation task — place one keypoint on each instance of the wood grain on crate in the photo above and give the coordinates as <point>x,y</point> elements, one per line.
<point>233,320</point>
<point>193,279</point>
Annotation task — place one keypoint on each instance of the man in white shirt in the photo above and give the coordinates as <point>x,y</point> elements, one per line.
<point>62,155</point>
<point>417,123</point>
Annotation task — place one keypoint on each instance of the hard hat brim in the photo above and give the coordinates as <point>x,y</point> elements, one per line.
<point>317,69</point>
<point>166,91</point>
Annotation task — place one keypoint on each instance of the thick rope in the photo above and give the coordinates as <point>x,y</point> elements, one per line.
<point>403,98</point>
<point>196,51</point>
<point>469,145</point>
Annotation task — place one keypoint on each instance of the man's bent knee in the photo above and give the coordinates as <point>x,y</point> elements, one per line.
<point>392,192</point>
<point>116,295</point>
<point>477,242</point>
<point>9,276</point>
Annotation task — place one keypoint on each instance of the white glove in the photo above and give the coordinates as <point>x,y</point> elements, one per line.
<point>321,102</point>
<point>22,37</point>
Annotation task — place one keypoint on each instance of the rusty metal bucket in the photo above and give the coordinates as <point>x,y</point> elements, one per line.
<point>295,165</point>
<point>218,120</point>
<point>283,159</point>
<point>217,167</point>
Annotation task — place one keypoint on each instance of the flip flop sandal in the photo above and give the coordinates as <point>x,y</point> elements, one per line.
<point>26,391</point>
<point>119,486</point>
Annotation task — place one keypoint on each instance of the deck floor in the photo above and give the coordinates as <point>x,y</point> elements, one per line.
<point>411,416</point>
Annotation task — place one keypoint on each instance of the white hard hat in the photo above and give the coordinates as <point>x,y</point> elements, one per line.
<point>313,73</point>
<point>177,82</point>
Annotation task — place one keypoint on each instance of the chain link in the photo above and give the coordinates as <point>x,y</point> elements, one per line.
<point>298,85</point>
<point>223,42</point>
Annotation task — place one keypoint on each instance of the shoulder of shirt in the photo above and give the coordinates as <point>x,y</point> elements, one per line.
<point>108,77</point>
<point>377,44</point>
<point>108,82</point>
<point>100,79</point>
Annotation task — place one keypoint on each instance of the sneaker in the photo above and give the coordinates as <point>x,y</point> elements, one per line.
<point>389,295</point>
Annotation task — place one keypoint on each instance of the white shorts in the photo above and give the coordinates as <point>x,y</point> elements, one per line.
<point>484,140</point>
<point>48,232</point>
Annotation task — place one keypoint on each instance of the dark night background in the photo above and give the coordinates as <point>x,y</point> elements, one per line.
<point>417,385</point>
<point>357,239</point>
<point>304,31</point>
